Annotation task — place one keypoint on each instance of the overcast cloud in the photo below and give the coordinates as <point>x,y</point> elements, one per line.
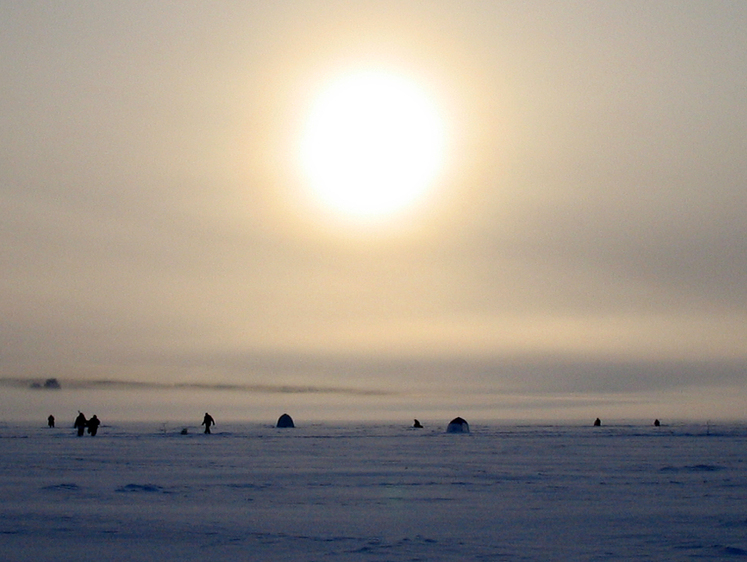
<point>588,237</point>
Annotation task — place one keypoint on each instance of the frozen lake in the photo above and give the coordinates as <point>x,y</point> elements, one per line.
<point>374,492</point>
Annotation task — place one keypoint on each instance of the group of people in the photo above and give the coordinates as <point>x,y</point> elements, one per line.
<point>81,423</point>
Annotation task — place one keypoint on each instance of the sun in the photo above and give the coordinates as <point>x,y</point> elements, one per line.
<point>372,146</point>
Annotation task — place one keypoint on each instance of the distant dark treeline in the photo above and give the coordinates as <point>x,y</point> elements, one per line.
<point>53,383</point>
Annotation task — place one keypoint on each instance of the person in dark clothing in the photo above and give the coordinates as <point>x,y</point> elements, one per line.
<point>207,421</point>
<point>80,423</point>
<point>597,422</point>
<point>50,420</point>
<point>93,425</point>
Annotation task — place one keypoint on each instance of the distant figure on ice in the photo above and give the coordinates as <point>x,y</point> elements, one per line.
<point>597,422</point>
<point>417,424</point>
<point>80,423</point>
<point>657,423</point>
<point>93,425</point>
<point>207,421</point>
<point>50,420</point>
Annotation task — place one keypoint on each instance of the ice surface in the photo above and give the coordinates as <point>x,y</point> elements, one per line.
<point>374,492</point>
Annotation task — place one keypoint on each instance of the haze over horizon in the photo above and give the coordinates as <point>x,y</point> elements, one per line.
<point>581,249</point>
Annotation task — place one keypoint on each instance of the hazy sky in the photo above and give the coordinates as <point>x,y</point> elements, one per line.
<point>583,249</point>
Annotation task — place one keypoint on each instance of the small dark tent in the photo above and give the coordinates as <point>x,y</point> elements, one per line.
<point>457,425</point>
<point>285,421</point>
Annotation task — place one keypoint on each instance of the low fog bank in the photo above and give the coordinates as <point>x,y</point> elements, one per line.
<point>324,388</point>
<point>187,406</point>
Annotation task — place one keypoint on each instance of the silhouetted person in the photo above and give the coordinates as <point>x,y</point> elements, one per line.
<point>417,425</point>
<point>657,423</point>
<point>207,421</point>
<point>93,425</point>
<point>597,422</point>
<point>80,423</point>
<point>50,420</point>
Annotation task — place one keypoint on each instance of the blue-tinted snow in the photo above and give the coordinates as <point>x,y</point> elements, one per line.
<point>374,492</point>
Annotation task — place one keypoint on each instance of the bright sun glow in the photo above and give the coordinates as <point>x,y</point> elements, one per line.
<point>373,145</point>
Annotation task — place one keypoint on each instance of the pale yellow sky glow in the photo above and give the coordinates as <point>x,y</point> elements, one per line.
<point>531,209</point>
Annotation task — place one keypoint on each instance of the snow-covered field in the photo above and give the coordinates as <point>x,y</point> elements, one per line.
<point>374,492</point>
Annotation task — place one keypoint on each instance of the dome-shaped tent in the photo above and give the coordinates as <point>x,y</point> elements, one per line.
<point>285,421</point>
<point>458,425</point>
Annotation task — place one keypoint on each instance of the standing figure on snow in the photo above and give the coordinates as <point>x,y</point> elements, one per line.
<point>50,420</point>
<point>80,423</point>
<point>93,425</point>
<point>207,421</point>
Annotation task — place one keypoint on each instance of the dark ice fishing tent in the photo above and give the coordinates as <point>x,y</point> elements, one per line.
<point>458,425</point>
<point>285,421</point>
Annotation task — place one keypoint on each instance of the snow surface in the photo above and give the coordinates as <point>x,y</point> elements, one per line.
<point>374,492</point>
